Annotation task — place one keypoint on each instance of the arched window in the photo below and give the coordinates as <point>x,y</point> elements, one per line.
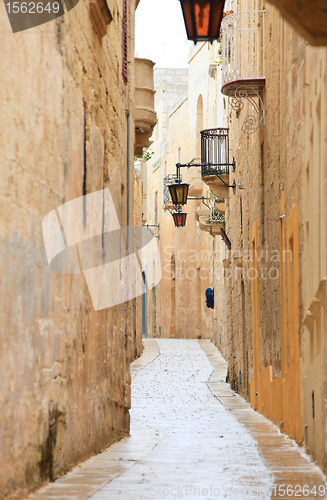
<point>199,125</point>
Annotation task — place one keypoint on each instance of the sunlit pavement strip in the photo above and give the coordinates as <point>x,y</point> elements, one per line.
<point>294,474</point>
<point>191,437</point>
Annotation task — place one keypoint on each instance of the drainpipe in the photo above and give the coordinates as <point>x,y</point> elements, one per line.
<point>128,174</point>
<point>127,219</point>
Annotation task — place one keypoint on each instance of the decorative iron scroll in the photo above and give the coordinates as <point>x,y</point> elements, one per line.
<point>169,179</point>
<point>215,216</point>
<point>256,115</point>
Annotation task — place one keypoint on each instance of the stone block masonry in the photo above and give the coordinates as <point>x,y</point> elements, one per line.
<point>64,369</point>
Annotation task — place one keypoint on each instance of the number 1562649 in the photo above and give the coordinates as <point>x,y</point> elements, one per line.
<point>32,7</point>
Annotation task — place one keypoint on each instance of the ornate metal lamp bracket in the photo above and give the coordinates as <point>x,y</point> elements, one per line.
<point>256,115</point>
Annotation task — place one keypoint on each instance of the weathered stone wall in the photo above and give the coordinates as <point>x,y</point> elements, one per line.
<point>283,171</point>
<point>314,256</point>
<point>171,86</point>
<point>65,381</point>
<point>308,19</point>
<point>268,163</point>
<point>276,323</point>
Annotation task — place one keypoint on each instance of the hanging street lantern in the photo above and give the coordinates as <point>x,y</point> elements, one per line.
<point>179,218</point>
<point>178,192</point>
<point>202,19</point>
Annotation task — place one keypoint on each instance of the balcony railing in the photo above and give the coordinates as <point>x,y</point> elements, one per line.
<point>215,151</point>
<point>215,216</point>
<point>243,44</point>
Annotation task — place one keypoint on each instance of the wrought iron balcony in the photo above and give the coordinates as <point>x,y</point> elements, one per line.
<point>215,166</point>
<point>169,179</point>
<point>211,221</point>
<point>243,45</point>
<point>215,151</point>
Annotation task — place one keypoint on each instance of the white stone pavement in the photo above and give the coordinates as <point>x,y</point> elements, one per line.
<point>187,439</point>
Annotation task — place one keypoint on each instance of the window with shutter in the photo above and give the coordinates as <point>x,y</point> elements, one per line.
<point>124,47</point>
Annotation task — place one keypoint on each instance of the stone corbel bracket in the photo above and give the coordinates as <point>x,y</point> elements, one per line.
<point>100,16</point>
<point>256,115</point>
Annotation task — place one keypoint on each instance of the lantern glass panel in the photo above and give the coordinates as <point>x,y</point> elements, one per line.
<point>179,192</point>
<point>216,16</point>
<point>202,18</point>
<point>202,15</point>
<point>187,13</point>
<point>179,218</point>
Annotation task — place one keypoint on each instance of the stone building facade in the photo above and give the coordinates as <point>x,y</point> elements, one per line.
<point>269,319</point>
<point>313,315</point>
<point>264,221</point>
<point>277,298</point>
<point>67,130</point>
<point>185,253</point>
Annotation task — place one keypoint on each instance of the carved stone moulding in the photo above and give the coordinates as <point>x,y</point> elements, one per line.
<point>100,16</point>
<point>253,86</point>
<point>309,18</point>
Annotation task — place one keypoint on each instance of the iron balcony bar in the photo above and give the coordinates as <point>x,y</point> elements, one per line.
<point>202,198</point>
<point>225,238</point>
<point>211,172</point>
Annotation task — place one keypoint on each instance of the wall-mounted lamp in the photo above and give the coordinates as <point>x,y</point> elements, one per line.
<point>178,192</point>
<point>179,218</point>
<point>202,19</point>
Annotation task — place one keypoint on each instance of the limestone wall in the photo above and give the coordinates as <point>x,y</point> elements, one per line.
<point>64,369</point>
<point>171,86</point>
<point>314,256</point>
<point>268,163</point>
<point>276,320</point>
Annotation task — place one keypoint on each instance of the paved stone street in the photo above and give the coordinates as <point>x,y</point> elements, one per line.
<point>191,437</point>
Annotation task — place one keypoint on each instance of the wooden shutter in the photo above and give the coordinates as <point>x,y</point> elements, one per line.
<point>124,47</point>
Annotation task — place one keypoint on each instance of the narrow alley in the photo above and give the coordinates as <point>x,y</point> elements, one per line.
<point>192,437</point>
<point>163,262</point>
